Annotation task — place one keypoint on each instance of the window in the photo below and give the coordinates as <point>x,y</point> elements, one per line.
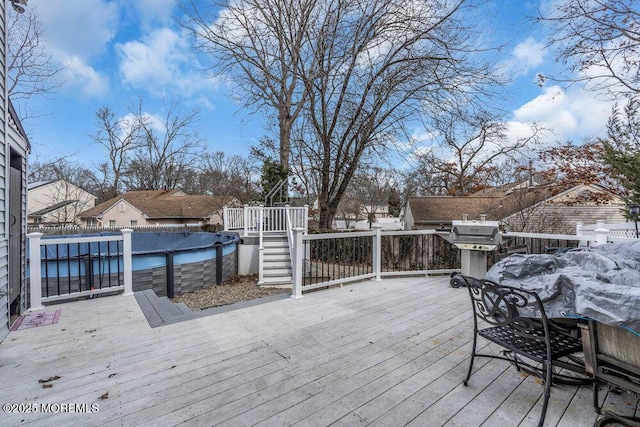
<point>133,223</point>
<point>112,223</point>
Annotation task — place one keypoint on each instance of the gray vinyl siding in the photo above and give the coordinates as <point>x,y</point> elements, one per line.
<point>562,219</point>
<point>4,235</point>
<point>10,139</point>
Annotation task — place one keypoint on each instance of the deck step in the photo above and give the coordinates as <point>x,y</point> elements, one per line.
<point>161,310</point>
<point>183,308</point>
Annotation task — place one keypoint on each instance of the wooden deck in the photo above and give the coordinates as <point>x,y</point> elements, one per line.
<point>386,353</point>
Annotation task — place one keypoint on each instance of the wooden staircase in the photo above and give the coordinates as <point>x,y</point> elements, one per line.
<point>276,261</point>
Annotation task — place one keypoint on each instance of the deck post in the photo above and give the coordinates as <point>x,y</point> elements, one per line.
<point>126,261</point>
<point>260,245</point>
<point>377,251</point>
<point>245,221</point>
<point>297,263</point>
<point>35,272</point>
<point>601,234</point>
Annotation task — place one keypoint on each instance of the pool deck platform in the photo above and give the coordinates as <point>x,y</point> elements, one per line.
<point>387,353</point>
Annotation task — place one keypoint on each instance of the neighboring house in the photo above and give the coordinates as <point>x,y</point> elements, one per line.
<point>431,212</point>
<point>56,203</point>
<point>352,214</point>
<point>13,198</point>
<point>543,208</point>
<point>157,207</point>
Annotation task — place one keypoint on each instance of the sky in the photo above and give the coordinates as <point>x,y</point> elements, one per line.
<point>116,51</point>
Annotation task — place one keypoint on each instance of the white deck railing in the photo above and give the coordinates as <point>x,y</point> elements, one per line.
<point>302,253</point>
<point>625,230</point>
<point>38,266</point>
<point>256,219</point>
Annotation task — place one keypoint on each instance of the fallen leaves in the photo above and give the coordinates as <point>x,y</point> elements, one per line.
<point>45,382</point>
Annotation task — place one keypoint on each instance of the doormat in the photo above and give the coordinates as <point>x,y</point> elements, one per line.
<point>34,320</point>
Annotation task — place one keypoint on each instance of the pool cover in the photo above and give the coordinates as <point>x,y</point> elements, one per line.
<point>600,283</point>
<point>141,243</point>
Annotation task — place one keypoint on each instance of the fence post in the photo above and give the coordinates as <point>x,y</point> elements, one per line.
<point>297,263</point>
<point>225,216</point>
<point>377,251</point>
<point>171,283</point>
<point>126,261</point>
<point>245,220</point>
<point>219,263</point>
<point>35,272</point>
<point>601,234</point>
<point>579,229</point>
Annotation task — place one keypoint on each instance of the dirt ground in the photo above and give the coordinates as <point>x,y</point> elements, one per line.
<point>236,289</point>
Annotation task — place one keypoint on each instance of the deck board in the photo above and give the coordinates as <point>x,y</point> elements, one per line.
<point>384,353</point>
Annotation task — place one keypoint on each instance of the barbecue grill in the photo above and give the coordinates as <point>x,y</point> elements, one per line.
<point>475,236</point>
<point>474,239</point>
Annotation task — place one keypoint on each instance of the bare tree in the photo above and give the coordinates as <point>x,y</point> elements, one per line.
<point>221,175</point>
<point>377,65</point>
<point>599,40</point>
<point>120,137</point>
<point>468,149</point>
<point>519,209</point>
<point>260,45</point>
<point>31,71</point>
<point>61,168</point>
<point>168,146</point>
<point>70,190</point>
<point>371,188</point>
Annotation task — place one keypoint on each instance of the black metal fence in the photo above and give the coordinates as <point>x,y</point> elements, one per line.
<point>337,258</point>
<point>417,252</point>
<point>71,268</point>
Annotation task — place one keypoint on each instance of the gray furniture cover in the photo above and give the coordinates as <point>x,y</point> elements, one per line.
<point>601,283</point>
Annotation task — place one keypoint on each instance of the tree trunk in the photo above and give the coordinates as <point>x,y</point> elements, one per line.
<point>285,140</point>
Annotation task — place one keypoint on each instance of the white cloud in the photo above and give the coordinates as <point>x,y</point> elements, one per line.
<point>525,56</point>
<point>571,114</point>
<point>530,53</point>
<point>80,28</point>
<point>153,12</point>
<point>84,78</point>
<point>161,60</point>
<point>75,32</point>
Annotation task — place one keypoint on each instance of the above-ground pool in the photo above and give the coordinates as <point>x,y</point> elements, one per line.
<point>170,263</point>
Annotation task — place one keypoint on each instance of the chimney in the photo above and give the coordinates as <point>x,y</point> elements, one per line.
<point>531,174</point>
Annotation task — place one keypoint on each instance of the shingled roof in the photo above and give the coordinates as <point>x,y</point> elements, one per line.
<point>156,204</point>
<point>499,202</point>
<point>442,209</point>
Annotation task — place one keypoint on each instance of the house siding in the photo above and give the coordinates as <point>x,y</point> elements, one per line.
<point>564,219</point>
<point>13,143</point>
<point>123,218</point>
<point>4,243</point>
<point>55,192</point>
